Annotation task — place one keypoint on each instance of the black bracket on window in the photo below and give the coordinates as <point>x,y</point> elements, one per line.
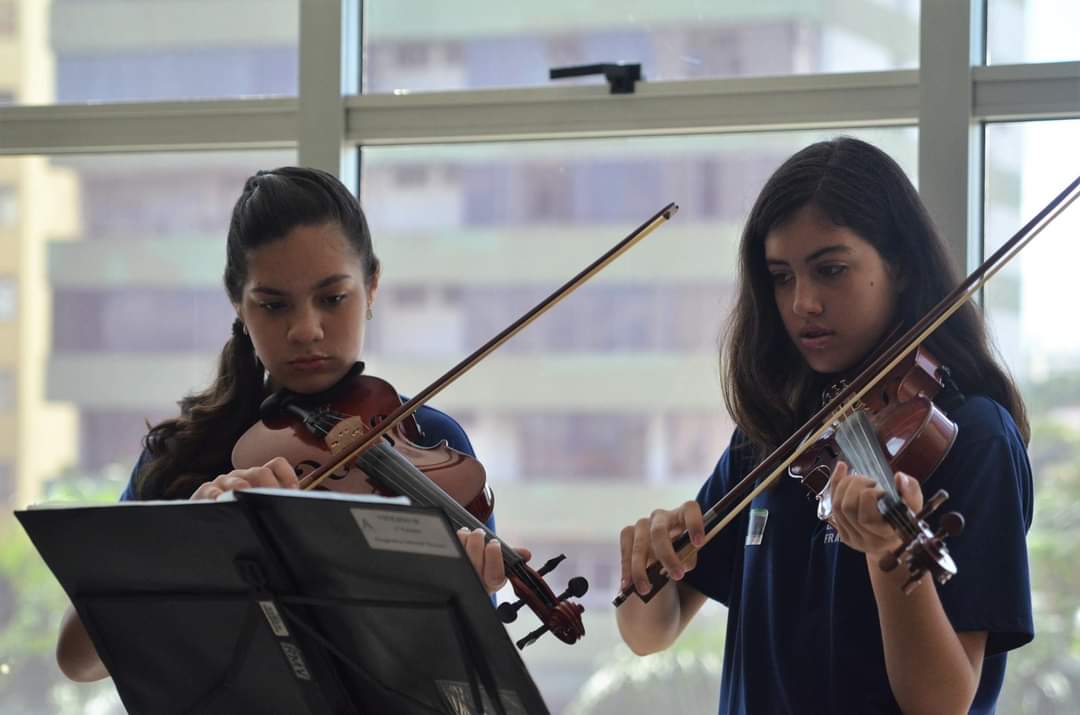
<point>621,78</point>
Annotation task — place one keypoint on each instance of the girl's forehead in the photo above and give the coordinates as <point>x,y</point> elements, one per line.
<point>305,255</point>
<point>802,239</point>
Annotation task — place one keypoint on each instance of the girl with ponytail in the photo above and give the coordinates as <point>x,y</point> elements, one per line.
<point>302,276</point>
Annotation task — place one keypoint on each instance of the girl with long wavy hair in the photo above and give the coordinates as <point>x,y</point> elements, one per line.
<point>837,252</point>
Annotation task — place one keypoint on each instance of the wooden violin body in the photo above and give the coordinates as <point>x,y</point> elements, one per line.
<point>914,433</point>
<point>345,416</point>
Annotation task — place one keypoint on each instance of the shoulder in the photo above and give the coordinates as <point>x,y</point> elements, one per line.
<point>981,419</point>
<point>129,491</point>
<point>988,439</point>
<point>436,425</point>
<point>987,469</point>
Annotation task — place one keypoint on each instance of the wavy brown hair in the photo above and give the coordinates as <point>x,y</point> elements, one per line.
<point>768,387</point>
<point>183,452</point>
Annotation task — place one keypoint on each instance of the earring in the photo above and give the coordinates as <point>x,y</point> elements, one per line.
<point>370,313</point>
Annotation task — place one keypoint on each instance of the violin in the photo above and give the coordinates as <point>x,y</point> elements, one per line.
<point>896,427</point>
<point>921,549</point>
<point>308,430</point>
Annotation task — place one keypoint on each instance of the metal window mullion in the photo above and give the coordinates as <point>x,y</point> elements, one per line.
<point>149,126</point>
<point>1001,92</point>
<point>1028,91</point>
<point>951,43</point>
<point>320,118</point>
<point>701,106</point>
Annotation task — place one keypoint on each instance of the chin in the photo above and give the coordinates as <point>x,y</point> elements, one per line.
<point>826,364</point>
<point>310,383</point>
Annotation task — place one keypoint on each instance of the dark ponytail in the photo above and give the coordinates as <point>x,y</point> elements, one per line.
<point>183,452</point>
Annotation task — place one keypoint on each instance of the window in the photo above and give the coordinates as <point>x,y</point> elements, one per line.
<point>9,17</point>
<point>1028,302</point>
<point>514,45</point>
<point>167,50</point>
<point>1032,31</point>
<point>8,298</point>
<point>9,206</point>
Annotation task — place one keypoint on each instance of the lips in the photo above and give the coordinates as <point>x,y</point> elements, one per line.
<point>310,362</point>
<point>815,338</point>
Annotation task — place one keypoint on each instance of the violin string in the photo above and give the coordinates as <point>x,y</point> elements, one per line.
<point>873,447</point>
<point>858,440</point>
<point>384,455</point>
<point>427,492</point>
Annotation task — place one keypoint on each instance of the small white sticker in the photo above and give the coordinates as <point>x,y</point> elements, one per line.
<point>296,660</point>
<point>277,623</point>
<point>413,533</point>
<point>756,532</point>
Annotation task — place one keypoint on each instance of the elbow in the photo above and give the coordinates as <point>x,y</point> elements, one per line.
<point>68,666</point>
<point>956,702</point>
<point>641,648</point>
<point>76,656</point>
<point>641,639</point>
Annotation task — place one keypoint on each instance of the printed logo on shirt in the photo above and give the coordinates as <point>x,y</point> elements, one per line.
<point>831,537</point>
<point>756,532</point>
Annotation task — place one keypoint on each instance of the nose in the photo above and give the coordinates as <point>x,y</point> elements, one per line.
<point>807,302</point>
<point>306,327</point>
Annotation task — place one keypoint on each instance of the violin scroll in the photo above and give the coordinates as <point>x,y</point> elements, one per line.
<point>925,550</point>
<point>558,614</point>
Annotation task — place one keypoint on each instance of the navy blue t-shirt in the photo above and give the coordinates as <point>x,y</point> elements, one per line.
<point>803,633</point>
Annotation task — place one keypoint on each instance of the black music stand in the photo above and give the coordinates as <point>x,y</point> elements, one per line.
<point>277,601</point>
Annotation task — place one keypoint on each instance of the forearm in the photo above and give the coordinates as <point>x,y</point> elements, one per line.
<point>75,652</point>
<point>652,627</point>
<point>928,667</point>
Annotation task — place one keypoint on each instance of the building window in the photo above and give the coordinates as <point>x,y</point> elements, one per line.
<point>9,202</point>
<point>8,19</point>
<point>8,296</point>
<point>7,482</point>
<point>7,390</point>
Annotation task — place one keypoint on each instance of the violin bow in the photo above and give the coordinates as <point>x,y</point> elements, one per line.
<point>349,453</point>
<point>724,511</point>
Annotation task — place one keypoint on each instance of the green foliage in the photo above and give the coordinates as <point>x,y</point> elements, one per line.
<point>31,607</point>
<point>1044,676</point>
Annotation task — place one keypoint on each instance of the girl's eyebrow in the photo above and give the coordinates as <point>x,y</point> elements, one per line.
<point>329,280</point>
<point>837,248</point>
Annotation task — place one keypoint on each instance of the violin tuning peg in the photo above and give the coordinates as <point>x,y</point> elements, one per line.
<point>531,638</point>
<point>508,611</point>
<point>577,587</point>
<point>550,564</point>
<point>951,524</point>
<point>932,504</point>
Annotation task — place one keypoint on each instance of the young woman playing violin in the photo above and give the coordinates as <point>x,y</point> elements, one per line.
<point>302,276</point>
<point>838,251</point>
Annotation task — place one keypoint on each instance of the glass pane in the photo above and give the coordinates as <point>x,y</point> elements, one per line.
<point>71,51</point>
<point>1032,31</point>
<point>111,309</point>
<point>431,45</point>
<point>609,405</point>
<point>1030,305</point>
